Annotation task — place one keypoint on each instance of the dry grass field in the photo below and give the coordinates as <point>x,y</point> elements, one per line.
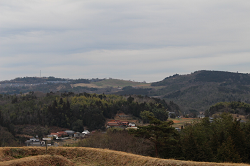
<point>63,156</point>
<point>112,83</point>
<point>178,122</point>
<point>39,160</point>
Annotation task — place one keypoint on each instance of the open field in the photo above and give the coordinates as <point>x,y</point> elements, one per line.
<point>120,83</point>
<point>85,85</point>
<point>178,122</point>
<point>85,156</point>
<point>115,83</point>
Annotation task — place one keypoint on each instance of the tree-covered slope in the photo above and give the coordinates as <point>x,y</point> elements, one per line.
<point>52,84</point>
<point>234,107</point>
<point>195,91</point>
<point>73,111</point>
<point>201,89</point>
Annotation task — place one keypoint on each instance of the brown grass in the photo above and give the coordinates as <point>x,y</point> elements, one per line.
<point>85,85</point>
<point>39,160</point>
<point>182,121</point>
<point>176,121</point>
<point>112,83</point>
<point>87,156</point>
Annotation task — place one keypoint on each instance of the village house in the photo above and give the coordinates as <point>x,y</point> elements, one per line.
<point>86,132</point>
<point>59,134</point>
<point>118,123</point>
<point>201,116</point>
<point>55,135</point>
<point>112,124</point>
<point>62,133</point>
<point>131,124</point>
<point>124,123</point>
<point>70,132</point>
<point>33,142</point>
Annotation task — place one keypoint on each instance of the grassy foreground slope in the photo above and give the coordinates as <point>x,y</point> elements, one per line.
<point>39,160</point>
<point>85,156</point>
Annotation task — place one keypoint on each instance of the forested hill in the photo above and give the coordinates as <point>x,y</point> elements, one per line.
<point>201,89</point>
<point>53,84</point>
<point>234,107</point>
<point>74,111</point>
<point>205,76</point>
<point>196,91</point>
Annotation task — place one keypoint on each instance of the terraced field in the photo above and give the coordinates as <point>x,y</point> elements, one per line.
<point>69,156</point>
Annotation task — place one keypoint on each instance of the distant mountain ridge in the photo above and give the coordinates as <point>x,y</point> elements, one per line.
<point>196,91</point>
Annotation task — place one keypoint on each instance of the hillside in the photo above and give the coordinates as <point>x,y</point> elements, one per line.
<point>195,91</point>
<point>236,107</point>
<point>86,156</point>
<point>52,84</point>
<point>18,113</point>
<point>201,89</point>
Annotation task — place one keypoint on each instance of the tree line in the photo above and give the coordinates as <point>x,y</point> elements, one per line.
<point>222,140</point>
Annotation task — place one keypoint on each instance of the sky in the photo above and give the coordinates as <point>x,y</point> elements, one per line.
<point>140,40</point>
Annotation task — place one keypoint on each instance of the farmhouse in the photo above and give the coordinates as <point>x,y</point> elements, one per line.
<point>33,142</point>
<point>86,132</point>
<point>54,135</point>
<point>113,123</point>
<point>70,132</point>
<point>118,123</point>
<point>131,124</point>
<point>62,133</point>
<point>124,123</point>
<point>201,116</point>
<point>78,135</point>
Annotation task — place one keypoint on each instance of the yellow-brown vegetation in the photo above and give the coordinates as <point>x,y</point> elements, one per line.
<point>178,122</point>
<point>85,156</point>
<point>39,160</point>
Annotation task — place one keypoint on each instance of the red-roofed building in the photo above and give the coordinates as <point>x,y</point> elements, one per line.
<point>54,134</point>
<point>62,133</point>
<point>113,124</point>
<point>124,123</point>
<point>59,134</point>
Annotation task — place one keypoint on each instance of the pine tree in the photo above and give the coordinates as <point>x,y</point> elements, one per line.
<point>161,134</point>
<point>227,152</point>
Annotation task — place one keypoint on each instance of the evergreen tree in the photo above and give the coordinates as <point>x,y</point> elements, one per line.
<point>228,153</point>
<point>161,134</point>
<point>145,116</point>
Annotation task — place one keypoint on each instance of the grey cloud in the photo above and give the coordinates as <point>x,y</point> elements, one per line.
<point>137,38</point>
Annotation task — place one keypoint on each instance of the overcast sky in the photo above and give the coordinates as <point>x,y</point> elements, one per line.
<point>140,40</point>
